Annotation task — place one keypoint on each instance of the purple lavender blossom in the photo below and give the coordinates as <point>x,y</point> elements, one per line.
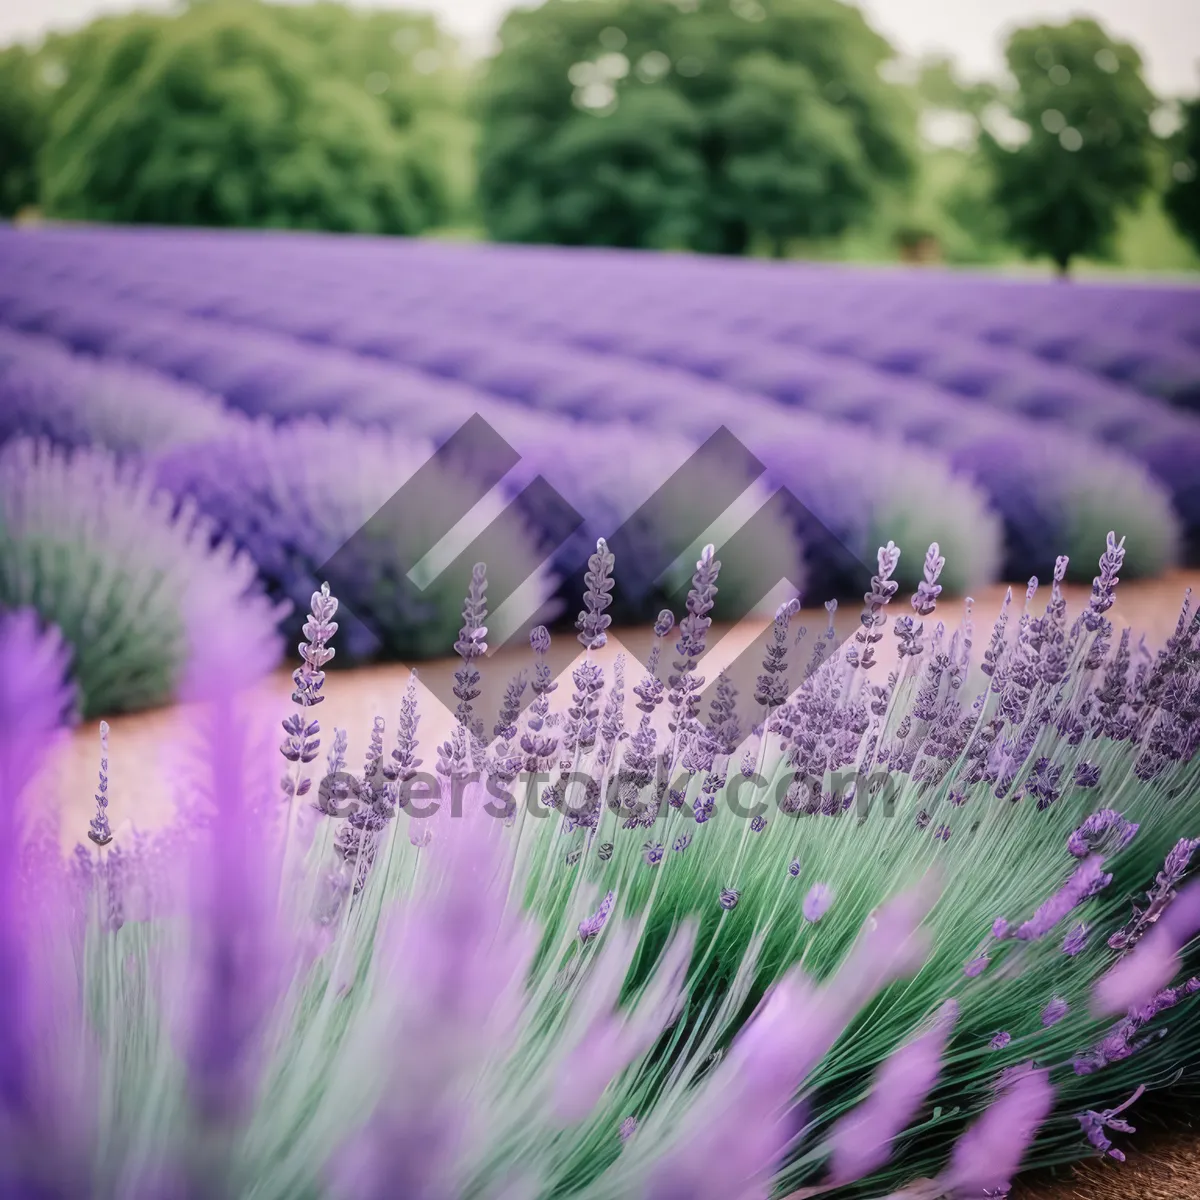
<point>883,588</point>
<point>1056,1008</point>
<point>1096,1124</point>
<point>34,703</point>
<point>685,684</point>
<point>590,927</point>
<point>1075,940</point>
<point>593,620</point>
<point>239,951</point>
<point>1104,586</point>
<point>1135,978</point>
<point>1104,828</point>
<point>99,830</point>
<point>771,687</point>
<point>976,966</point>
<point>729,898</point>
<point>1088,879</point>
<point>928,590</point>
<point>989,1154</point>
<point>861,1140</point>
<point>457,959</point>
<point>817,902</point>
<point>1000,1040</point>
<point>471,646</point>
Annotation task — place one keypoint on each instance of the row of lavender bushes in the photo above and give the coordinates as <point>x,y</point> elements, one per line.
<point>287,386</point>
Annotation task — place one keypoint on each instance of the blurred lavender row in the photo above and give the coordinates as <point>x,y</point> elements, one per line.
<point>287,385</point>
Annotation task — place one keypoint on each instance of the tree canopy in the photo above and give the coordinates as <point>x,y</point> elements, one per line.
<point>1182,200</point>
<point>23,112</point>
<point>249,114</point>
<point>1086,156</point>
<point>703,123</point>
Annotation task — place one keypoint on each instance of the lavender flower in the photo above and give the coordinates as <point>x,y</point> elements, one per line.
<point>34,702</point>
<point>593,620</point>
<point>1134,979</point>
<point>1054,1011</point>
<point>1106,826</point>
<point>99,830</point>
<point>771,688</point>
<point>1096,1124</point>
<point>685,684</point>
<point>471,646</point>
<point>1088,879</point>
<point>729,898</point>
<point>239,951</point>
<point>883,588</point>
<point>590,927</point>
<point>1104,586</point>
<point>999,1040</point>
<point>1075,940</point>
<point>817,902</point>
<point>861,1140</point>
<point>989,1154</point>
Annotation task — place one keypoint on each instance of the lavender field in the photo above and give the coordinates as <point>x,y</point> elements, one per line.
<point>259,396</point>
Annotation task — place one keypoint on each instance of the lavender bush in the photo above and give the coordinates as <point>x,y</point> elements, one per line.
<point>419,335</point>
<point>935,926</point>
<point>73,400</point>
<point>290,496</point>
<point>88,543</point>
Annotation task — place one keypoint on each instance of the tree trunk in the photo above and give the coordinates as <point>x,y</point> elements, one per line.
<point>735,238</point>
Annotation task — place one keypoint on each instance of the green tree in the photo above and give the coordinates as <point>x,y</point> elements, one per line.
<point>220,116</point>
<point>24,105</point>
<point>412,67</point>
<point>1087,157</point>
<point>1182,199</point>
<point>732,124</point>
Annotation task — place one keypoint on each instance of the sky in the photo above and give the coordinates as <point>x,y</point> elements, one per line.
<point>1167,32</point>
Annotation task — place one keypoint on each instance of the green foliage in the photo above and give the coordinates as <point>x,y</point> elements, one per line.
<point>1182,200</point>
<point>411,67</point>
<point>247,114</point>
<point>1087,156</point>
<point>706,125</point>
<point>939,86</point>
<point>23,104</point>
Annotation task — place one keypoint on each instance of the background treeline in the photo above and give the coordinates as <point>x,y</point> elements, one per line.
<point>726,126</point>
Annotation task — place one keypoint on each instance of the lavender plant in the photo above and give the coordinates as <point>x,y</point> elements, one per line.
<point>294,494</point>
<point>848,970</point>
<point>73,400</point>
<point>90,544</point>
